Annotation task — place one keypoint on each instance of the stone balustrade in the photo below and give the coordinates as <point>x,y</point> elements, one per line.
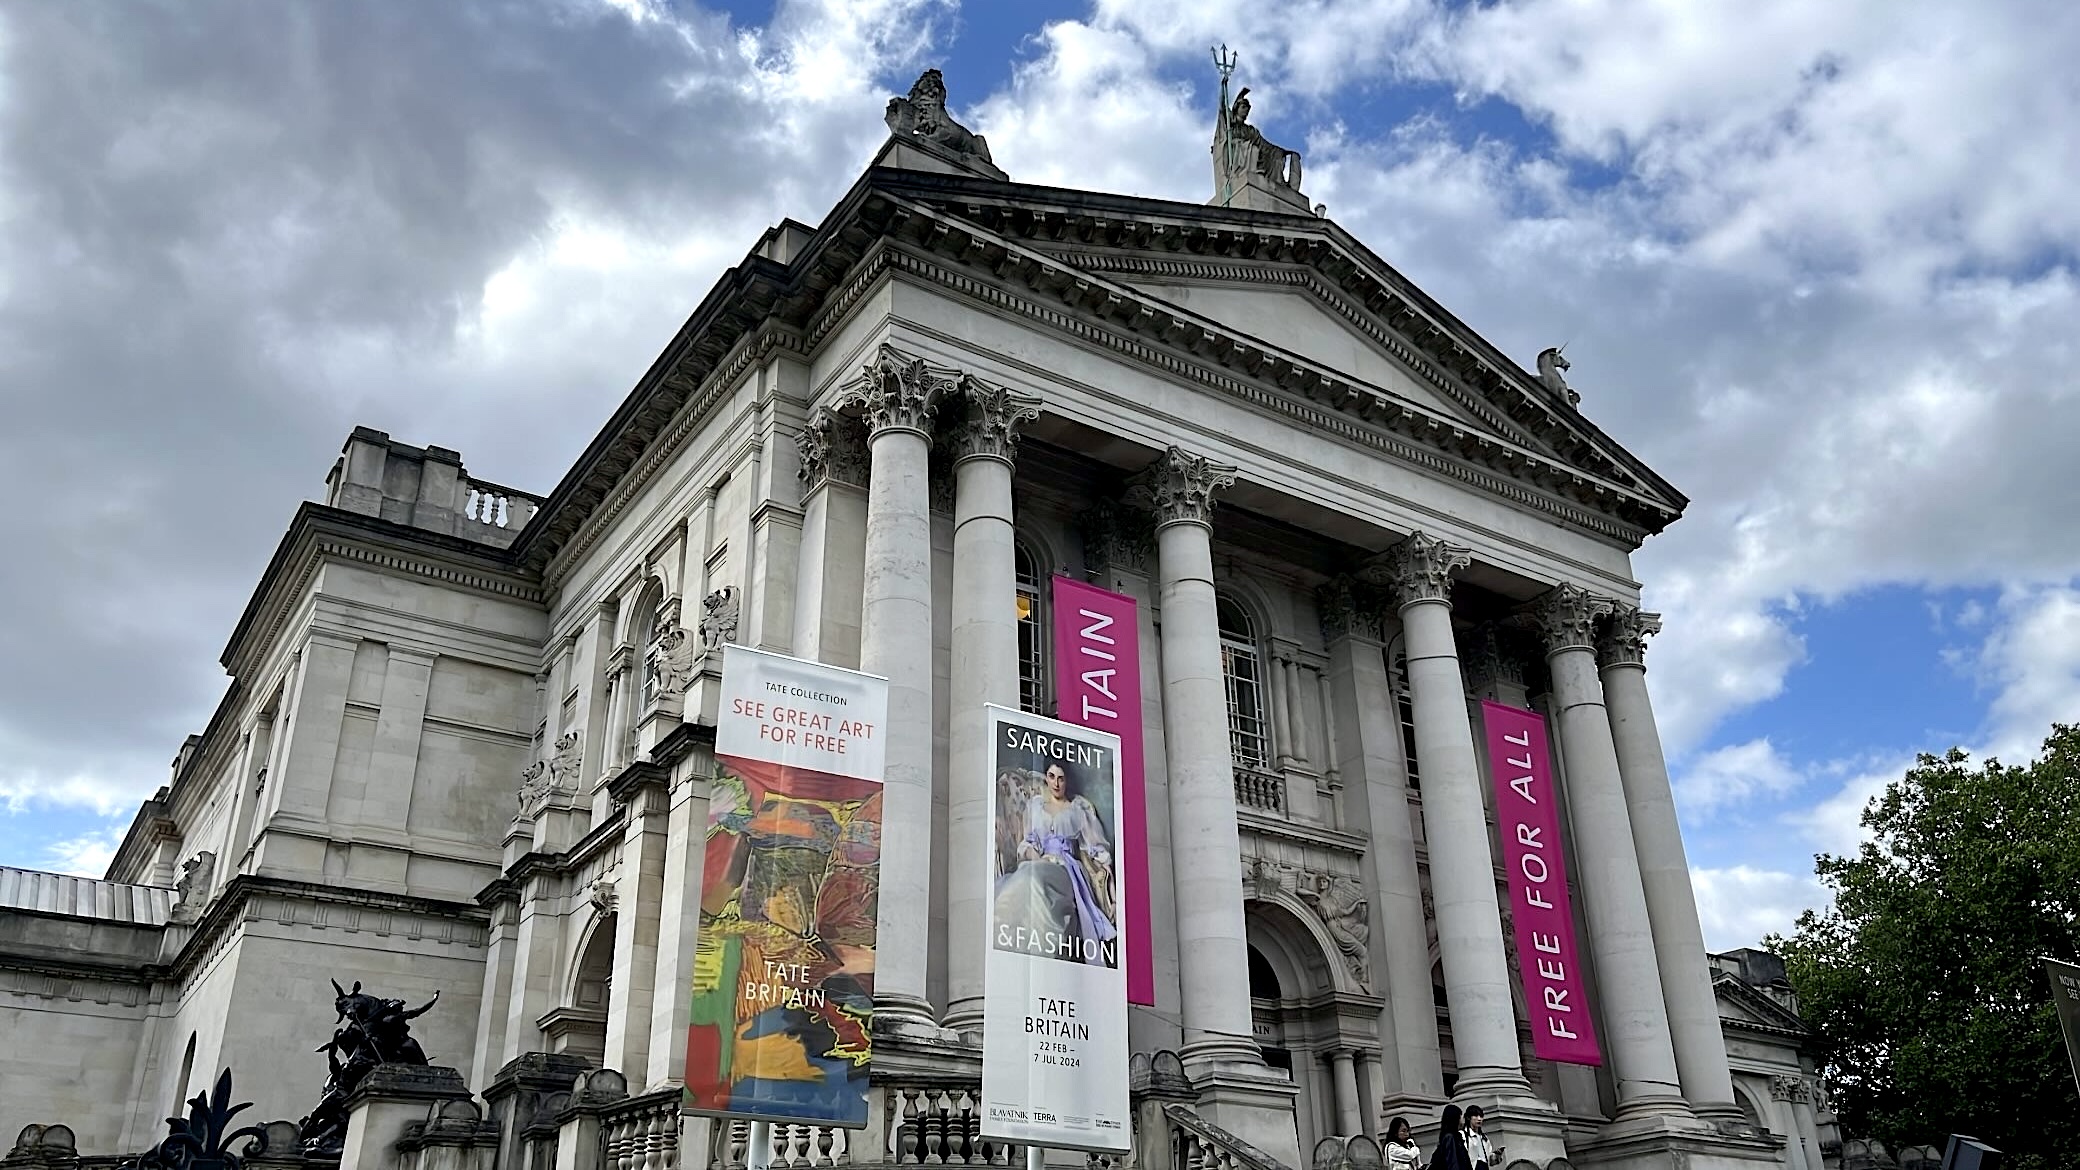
<point>641,1133</point>
<point>1263,791</point>
<point>793,1145</point>
<point>488,505</point>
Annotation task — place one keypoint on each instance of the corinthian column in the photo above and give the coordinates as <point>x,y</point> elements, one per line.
<point>985,665</point>
<point>1455,821</point>
<point>1635,1017</point>
<point>898,399</point>
<point>1664,871</point>
<point>1205,845</point>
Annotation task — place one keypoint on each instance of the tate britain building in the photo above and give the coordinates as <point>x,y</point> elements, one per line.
<point>468,739</point>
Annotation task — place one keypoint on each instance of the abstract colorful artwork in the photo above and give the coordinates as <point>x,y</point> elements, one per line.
<point>783,985</point>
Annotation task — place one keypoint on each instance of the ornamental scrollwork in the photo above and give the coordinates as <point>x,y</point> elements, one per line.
<point>897,391</point>
<point>833,449</point>
<point>1180,486</point>
<point>988,420</point>
<point>1418,568</point>
<point>1566,616</point>
<point>1624,634</point>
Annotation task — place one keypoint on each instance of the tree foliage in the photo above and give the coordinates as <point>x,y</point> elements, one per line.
<point>1922,984</point>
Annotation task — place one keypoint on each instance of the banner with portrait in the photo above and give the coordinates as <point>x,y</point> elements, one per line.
<point>783,973</point>
<point>1054,1037</point>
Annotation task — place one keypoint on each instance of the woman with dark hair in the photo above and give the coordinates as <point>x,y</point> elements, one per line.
<point>1451,1144</point>
<point>1062,888</point>
<point>1400,1146</point>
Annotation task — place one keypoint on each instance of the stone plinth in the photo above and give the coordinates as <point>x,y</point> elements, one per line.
<point>387,1104</point>
<point>518,1091</point>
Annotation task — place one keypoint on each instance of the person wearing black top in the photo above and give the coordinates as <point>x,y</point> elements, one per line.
<point>1451,1144</point>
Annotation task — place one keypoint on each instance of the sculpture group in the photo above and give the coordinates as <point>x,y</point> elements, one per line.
<point>368,1032</point>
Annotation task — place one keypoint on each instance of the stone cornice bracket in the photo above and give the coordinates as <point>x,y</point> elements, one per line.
<point>833,449</point>
<point>1622,640</point>
<point>1116,538</point>
<point>1566,617</point>
<point>1350,608</point>
<point>988,422</point>
<point>897,392</point>
<point>1418,568</point>
<point>1179,487</point>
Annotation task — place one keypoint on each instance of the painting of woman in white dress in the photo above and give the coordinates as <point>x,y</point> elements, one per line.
<point>1055,889</point>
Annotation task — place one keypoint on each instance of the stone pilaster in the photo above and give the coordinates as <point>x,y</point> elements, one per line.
<point>1366,749</point>
<point>832,453</point>
<point>985,663</point>
<point>898,399</point>
<point>1634,1015</point>
<point>1664,869</point>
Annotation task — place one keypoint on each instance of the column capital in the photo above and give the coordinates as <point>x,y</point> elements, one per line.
<point>833,449</point>
<point>896,392</point>
<point>1418,568</point>
<point>1116,537</point>
<point>1180,486</point>
<point>1350,608</point>
<point>1566,616</point>
<point>988,421</point>
<point>1623,635</point>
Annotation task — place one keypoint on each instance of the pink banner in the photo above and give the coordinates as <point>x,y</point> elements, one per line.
<point>1521,763</point>
<point>1097,654</point>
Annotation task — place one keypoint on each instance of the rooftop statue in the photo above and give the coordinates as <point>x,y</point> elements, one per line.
<point>923,116</point>
<point>370,1032</point>
<point>1551,364</point>
<point>1244,159</point>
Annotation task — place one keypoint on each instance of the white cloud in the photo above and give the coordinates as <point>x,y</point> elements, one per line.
<point>1739,904</point>
<point>2033,657</point>
<point>85,856</point>
<point>1734,775</point>
<point>1833,824</point>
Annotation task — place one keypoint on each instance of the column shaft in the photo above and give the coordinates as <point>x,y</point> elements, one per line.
<point>985,670</point>
<point>1635,1017</point>
<point>1350,1120</point>
<point>896,643</point>
<point>1462,865</point>
<point>1205,844</point>
<point>1664,870</point>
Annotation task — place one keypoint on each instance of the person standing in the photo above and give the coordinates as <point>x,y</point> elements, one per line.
<point>1479,1150</point>
<point>1451,1143</point>
<point>1401,1147</point>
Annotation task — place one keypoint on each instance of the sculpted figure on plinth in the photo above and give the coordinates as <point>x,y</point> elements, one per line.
<point>370,1031</point>
<point>922,116</point>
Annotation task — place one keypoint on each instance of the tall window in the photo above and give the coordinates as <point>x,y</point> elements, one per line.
<point>1032,637</point>
<point>1243,671</point>
<point>1405,711</point>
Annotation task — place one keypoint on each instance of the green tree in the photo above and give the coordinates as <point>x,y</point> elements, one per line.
<point>1923,985</point>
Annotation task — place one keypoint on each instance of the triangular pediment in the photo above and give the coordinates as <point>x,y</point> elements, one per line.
<point>1740,1003</point>
<point>1301,324</point>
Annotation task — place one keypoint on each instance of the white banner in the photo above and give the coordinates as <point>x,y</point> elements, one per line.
<point>1054,1036</point>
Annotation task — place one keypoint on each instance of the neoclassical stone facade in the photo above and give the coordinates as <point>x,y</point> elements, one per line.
<point>465,747</point>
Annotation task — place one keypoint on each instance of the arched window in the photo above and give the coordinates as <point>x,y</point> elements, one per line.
<point>1033,691</point>
<point>1243,670</point>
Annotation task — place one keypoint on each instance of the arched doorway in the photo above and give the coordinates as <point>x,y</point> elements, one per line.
<point>1304,1011</point>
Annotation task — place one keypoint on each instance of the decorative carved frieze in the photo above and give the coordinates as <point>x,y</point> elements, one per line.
<point>1351,608</point>
<point>833,449</point>
<point>897,392</point>
<point>1624,634</point>
<point>1116,538</point>
<point>1790,1088</point>
<point>1566,616</point>
<point>1180,486</point>
<point>987,420</point>
<point>1418,568</point>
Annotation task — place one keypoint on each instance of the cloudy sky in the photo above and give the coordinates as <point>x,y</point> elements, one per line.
<point>1814,262</point>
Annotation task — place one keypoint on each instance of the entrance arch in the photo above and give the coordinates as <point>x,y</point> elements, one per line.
<point>1305,1007</point>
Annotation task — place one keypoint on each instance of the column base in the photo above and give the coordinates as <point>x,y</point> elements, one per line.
<point>1221,1054</point>
<point>908,1018</point>
<point>1657,1142</point>
<point>1253,1103</point>
<point>964,1020</point>
<point>1645,1105</point>
<point>1725,1118</point>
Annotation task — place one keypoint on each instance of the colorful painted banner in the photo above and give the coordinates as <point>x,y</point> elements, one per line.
<point>1520,762</point>
<point>1054,1025</point>
<point>1097,654</point>
<point>2065,993</point>
<point>783,973</point>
